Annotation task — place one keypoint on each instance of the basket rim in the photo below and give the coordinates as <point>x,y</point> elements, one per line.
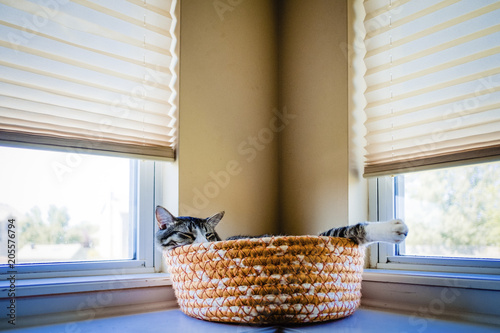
<point>262,241</point>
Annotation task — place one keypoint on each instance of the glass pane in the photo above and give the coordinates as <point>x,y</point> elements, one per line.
<point>64,207</point>
<point>453,212</point>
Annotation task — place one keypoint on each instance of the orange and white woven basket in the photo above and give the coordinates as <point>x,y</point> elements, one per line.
<point>271,280</point>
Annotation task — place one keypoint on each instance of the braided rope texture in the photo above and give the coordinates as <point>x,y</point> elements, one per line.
<point>271,280</point>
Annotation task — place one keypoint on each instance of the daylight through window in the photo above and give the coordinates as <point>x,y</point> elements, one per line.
<point>451,212</point>
<point>66,206</point>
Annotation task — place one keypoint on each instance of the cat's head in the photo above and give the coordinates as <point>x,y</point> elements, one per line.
<point>183,230</point>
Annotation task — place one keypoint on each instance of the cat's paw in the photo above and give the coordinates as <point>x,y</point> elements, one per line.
<point>393,231</point>
<point>398,231</point>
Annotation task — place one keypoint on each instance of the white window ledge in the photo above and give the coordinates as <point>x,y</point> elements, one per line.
<point>465,297</point>
<point>48,301</point>
<point>470,297</point>
<point>64,285</point>
<point>438,279</point>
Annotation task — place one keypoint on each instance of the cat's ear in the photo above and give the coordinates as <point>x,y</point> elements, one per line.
<point>215,219</point>
<point>163,217</point>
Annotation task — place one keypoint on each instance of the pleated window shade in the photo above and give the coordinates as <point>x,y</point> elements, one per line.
<point>433,83</point>
<point>89,75</point>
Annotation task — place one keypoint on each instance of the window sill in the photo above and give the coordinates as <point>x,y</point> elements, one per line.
<point>55,300</point>
<point>65,285</point>
<point>470,297</point>
<point>438,279</point>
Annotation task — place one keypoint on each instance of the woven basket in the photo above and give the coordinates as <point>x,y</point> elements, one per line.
<point>272,280</point>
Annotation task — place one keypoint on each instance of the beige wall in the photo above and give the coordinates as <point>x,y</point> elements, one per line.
<point>314,150</point>
<point>233,81</point>
<point>228,75</point>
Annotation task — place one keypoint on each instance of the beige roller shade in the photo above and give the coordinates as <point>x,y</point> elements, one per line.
<point>89,75</point>
<point>433,83</point>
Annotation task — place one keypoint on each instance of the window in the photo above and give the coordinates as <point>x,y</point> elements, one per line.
<point>433,120</point>
<point>76,214</point>
<point>452,216</point>
<point>93,85</point>
<point>67,207</point>
<point>454,211</point>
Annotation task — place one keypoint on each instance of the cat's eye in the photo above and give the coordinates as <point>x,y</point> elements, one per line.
<point>184,235</point>
<point>211,237</point>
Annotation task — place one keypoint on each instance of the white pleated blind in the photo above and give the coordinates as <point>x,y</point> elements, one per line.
<point>89,74</point>
<point>433,83</point>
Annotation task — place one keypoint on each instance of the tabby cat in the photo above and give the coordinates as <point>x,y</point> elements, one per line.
<point>183,230</point>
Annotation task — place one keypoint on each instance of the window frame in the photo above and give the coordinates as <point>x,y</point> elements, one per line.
<point>385,196</point>
<point>146,181</point>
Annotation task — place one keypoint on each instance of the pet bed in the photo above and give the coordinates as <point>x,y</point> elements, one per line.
<point>271,280</point>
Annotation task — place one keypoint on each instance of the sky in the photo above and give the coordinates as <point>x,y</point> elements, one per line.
<point>82,183</point>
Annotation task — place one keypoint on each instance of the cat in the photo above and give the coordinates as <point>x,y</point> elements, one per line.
<point>177,231</point>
